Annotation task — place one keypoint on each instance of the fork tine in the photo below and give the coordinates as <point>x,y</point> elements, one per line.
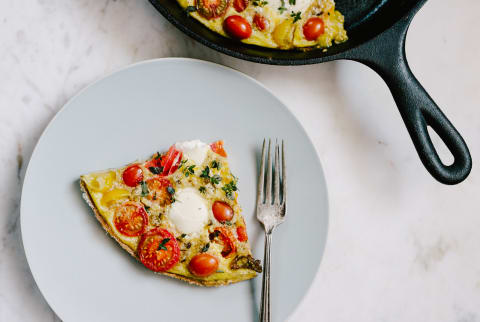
<point>261,176</point>
<point>284,175</point>
<point>276,178</point>
<point>268,191</point>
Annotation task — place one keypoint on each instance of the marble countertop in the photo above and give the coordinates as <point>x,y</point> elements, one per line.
<point>401,246</point>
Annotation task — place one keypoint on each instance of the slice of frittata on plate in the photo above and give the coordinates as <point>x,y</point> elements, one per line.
<point>177,213</point>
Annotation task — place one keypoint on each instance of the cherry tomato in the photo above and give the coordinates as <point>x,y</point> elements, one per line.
<point>217,147</point>
<point>240,5</point>
<point>260,21</point>
<point>210,9</point>
<point>227,239</point>
<point>242,233</point>
<point>171,161</point>
<point>158,250</point>
<point>158,190</point>
<point>132,175</point>
<point>203,265</point>
<point>237,27</point>
<point>313,28</point>
<point>131,219</point>
<point>222,211</point>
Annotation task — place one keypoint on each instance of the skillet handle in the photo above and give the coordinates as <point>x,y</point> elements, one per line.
<point>386,55</point>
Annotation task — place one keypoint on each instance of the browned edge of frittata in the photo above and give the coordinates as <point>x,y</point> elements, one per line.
<point>86,196</point>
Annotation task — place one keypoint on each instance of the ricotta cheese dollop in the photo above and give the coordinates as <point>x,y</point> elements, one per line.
<point>194,150</point>
<point>189,212</point>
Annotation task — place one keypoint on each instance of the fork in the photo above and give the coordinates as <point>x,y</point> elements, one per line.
<point>270,212</point>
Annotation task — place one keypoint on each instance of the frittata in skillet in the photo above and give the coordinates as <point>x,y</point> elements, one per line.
<point>177,213</point>
<point>283,24</point>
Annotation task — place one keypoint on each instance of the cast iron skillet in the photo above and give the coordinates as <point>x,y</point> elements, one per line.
<point>377,31</point>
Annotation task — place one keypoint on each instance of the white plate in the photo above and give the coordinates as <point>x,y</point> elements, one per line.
<point>146,107</point>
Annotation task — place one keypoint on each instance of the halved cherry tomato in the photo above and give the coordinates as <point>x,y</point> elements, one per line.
<point>313,28</point>
<point>210,9</point>
<point>228,240</point>
<point>203,265</point>
<point>132,175</point>
<point>237,27</point>
<point>222,211</point>
<point>171,161</point>
<point>217,147</point>
<point>130,219</point>
<point>260,21</point>
<point>157,190</point>
<point>242,233</point>
<point>240,5</point>
<point>158,250</point>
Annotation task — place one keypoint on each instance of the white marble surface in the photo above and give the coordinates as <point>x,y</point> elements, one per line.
<point>401,247</point>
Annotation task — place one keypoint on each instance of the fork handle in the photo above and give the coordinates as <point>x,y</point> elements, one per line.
<point>265,305</point>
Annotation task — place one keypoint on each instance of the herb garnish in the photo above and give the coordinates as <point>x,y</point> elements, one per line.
<point>170,190</point>
<point>259,3</point>
<point>144,188</point>
<point>205,248</point>
<point>282,8</point>
<point>156,170</point>
<point>158,156</point>
<point>147,208</point>
<point>205,173</point>
<point>189,171</point>
<point>229,188</point>
<point>202,189</point>
<point>296,16</point>
<point>215,179</point>
<point>292,2</point>
<point>215,165</point>
<point>162,244</point>
<point>190,9</point>
<point>181,237</point>
<point>182,163</point>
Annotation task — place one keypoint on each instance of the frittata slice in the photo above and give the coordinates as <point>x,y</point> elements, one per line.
<point>177,213</point>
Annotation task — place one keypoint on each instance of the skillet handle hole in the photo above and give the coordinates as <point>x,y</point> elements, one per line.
<point>443,152</point>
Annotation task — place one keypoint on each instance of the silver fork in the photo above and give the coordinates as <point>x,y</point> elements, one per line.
<point>270,212</point>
